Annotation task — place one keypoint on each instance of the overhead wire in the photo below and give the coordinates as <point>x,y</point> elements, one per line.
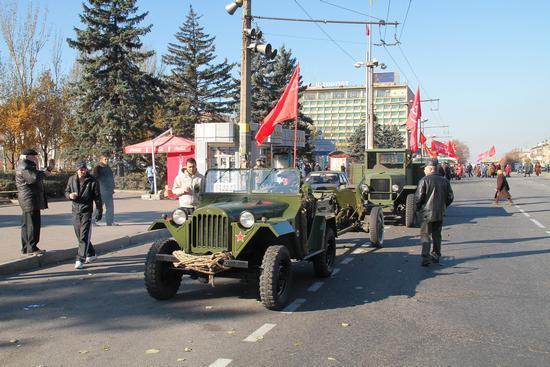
<point>387,17</point>
<point>405,20</point>
<point>348,9</point>
<point>326,33</point>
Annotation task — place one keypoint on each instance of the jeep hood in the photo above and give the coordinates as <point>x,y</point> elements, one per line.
<point>260,208</point>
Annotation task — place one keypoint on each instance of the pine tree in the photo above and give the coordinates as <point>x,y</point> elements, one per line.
<point>384,137</point>
<point>198,89</point>
<point>114,98</point>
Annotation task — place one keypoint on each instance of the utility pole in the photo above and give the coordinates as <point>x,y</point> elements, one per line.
<point>245,107</point>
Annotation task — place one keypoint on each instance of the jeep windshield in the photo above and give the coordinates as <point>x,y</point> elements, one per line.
<point>252,180</point>
<point>323,178</point>
<point>391,160</point>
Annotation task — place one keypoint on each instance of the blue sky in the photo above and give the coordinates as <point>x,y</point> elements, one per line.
<point>487,61</point>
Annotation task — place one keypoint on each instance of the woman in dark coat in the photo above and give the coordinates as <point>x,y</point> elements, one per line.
<point>503,189</point>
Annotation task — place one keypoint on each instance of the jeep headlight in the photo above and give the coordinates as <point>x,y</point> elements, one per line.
<point>179,216</point>
<point>364,187</point>
<point>395,188</point>
<point>246,219</point>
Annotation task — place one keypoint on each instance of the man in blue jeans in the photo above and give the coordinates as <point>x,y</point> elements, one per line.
<point>104,175</point>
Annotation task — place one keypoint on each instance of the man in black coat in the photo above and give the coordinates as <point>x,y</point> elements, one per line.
<point>83,190</point>
<point>433,196</point>
<point>32,199</point>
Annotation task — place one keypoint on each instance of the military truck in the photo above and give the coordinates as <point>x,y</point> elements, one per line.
<point>352,212</point>
<point>250,223</point>
<point>388,178</point>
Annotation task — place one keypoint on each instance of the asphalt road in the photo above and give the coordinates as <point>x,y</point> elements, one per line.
<point>486,305</point>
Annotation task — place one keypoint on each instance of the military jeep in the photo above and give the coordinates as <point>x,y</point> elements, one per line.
<point>388,178</point>
<point>259,220</point>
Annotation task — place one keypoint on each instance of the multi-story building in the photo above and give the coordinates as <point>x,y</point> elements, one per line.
<point>337,110</point>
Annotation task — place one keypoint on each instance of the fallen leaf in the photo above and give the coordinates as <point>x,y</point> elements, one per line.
<point>82,351</point>
<point>13,341</point>
<point>345,324</point>
<point>152,351</point>
<point>231,332</point>
<point>208,307</point>
<point>331,359</point>
<point>180,360</point>
<point>106,348</point>
<point>187,349</point>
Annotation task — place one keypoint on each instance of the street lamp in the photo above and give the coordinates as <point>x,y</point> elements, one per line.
<point>369,97</point>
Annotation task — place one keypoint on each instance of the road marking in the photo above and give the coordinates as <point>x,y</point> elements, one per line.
<point>259,334</point>
<point>521,210</point>
<point>357,251</point>
<point>221,362</point>
<point>294,305</point>
<point>548,232</point>
<point>537,223</point>
<point>315,286</point>
<point>347,260</point>
<point>335,271</point>
<point>526,214</point>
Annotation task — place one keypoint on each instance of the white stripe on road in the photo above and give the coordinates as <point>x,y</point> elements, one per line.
<point>259,334</point>
<point>526,214</point>
<point>537,223</point>
<point>347,260</point>
<point>294,305</point>
<point>521,210</point>
<point>548,232</point>
<point>335,271</point>
<point>221,362</point>
<point>357,251</point>
<point>315,286</point>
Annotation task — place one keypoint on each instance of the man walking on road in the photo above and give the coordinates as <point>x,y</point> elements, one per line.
<point>433,196</point>
<point>83,190</point>
<point>104,175</point>
<point>32,199</point>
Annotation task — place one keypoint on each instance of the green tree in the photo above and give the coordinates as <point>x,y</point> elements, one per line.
<point>114,98</point>
<point>385,136</point>
<point>197,88</point>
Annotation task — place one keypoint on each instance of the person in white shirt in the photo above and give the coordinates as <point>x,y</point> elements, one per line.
<point>187,185</point>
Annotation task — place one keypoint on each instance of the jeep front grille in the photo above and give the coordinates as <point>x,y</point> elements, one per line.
<point>380,196</point>
<point>380,184</point>
<point>210,231</point>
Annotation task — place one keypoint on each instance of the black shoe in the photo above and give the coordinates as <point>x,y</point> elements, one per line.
<point>425,262</point>
<point>435,257</point>
<point>36,251</point>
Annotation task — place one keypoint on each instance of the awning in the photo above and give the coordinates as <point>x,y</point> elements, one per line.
<point>163,144</point>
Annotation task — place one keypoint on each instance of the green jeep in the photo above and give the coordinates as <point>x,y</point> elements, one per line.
<point>250,223</point>
<point>388,178</point>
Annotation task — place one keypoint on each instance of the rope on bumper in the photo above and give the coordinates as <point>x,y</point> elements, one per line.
<point>206,264</point>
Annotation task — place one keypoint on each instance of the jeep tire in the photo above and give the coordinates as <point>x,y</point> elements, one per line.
<point>275,277</point>
<point>376,226</point>
<point>323,264</point>
<point>161,282</point>
<point>410,211</point>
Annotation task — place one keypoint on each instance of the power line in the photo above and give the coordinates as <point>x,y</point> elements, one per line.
<point>326,33</point>
<point>311,38</point>
<point>405,20</point>
<point>350,10</point>
<point>387,16</point>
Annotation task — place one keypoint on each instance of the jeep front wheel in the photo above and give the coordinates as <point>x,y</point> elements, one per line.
<point>276,277</point>
<point>323,264</point>
<point>376,226</point>
<point>161,282</point>
<point>409,211</point>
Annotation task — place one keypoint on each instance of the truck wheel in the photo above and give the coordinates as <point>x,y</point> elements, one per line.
<point>276,277</point>
<point>376,226</point>
<point>409,211</point>
<point>161,282</point>
<point>323,264</point>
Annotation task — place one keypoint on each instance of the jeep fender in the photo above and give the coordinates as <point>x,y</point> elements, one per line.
<point>407,189</point>
<point>317,234</point>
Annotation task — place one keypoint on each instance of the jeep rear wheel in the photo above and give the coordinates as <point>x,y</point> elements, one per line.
<point>409,211</point>
<point>161,282</point>
<point>376,226</point>
<point>276,277</point>
<point>323,264</point>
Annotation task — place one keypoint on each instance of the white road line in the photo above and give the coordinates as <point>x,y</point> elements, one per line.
<point>294,305</point>
<point>259,334</point>
<point>537,223</point>
<point>315,286</point>
<point>526,214</point>
<point>548,232</point>
<point>347,260</point>
<point>221,362</point>
<point>335,271</point>
<point>521,210</point>
<point>357,251</point>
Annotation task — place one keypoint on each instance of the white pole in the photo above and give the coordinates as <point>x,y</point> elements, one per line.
<point>169,131</point>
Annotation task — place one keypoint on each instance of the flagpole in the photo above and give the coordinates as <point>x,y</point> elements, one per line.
<point>295,136</point>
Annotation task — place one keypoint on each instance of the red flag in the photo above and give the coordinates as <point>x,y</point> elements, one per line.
<point>451,150</point>
<point>430,152</point>
<point>439,147</point>
<point>285,109</point>
<point>412,122</point>
<point>492,151</point>
<point>422,139</point>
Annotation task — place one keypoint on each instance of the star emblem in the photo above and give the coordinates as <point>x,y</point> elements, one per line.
<point>239,237</point>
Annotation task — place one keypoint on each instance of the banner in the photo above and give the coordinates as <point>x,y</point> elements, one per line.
<point>451,150</point>
<point>285,109</point>
<point>439,147</point>
<point>489,153</point>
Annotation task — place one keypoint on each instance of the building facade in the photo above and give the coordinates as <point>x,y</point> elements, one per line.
<point>337,111</point>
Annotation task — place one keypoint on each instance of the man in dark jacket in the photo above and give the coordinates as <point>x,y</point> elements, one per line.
<point>83,190</point>
<point>104,175</point>
<point>433,196</point>
<point>32,199</point>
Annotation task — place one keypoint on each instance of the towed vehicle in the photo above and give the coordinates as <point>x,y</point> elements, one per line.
<point>251,223</point>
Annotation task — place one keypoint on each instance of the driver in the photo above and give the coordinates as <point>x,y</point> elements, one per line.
<point>288,181</point>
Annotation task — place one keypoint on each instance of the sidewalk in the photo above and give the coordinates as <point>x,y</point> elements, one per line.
<point>57,237</point>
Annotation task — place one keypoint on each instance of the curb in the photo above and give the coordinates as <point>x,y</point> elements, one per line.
<point>57,256</point>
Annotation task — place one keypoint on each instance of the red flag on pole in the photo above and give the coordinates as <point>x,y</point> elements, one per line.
<point>451,150</point>
<point>439,147</point>
<point>492,151</point>
<point>412,122</point>
<point>285,109</point>
<point>422,139</point>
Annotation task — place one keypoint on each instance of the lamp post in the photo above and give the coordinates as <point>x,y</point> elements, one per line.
<point>369,96</point>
